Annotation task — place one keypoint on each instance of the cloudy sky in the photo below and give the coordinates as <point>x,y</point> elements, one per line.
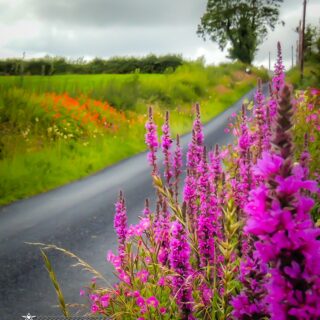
<point>104,28</point>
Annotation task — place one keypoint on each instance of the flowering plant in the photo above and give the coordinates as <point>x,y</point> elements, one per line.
<point>238,242</point>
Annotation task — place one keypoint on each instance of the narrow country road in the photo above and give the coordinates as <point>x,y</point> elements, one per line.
<point>78,217</point>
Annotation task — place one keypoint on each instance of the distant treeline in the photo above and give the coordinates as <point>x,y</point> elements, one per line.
<point>61,65</point>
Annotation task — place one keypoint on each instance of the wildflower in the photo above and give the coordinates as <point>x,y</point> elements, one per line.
<point>82,292</point>
<point>244,177</point>
<point>143,275</point>
<point>261,117</point>
<point>195,148</point>
<point>104,300</point>
<point>163,310</point>
<point>314,91</point>
<point>206,219</point>
<point>144,223</point>
<point>177,167</point>
<point>123,276</point>
<point>179,261</point>
<point>94,308</point>
<point>148,260</point>
<point>215,168</point>
<point>146,210</point>
<point>136,294</point>
<point>190,198</point>
<point>120,225</point>
<point>152,301</point>
<point>162,226</point>
<point>166,144</point>
<point>161,282</point>
<point>250,303</point>
<point>140,301</point>
<point>287,238</point>
<point>279,77</point>
<point>152,142</point>
<point>115,260</point>
<point>206,294</point>
<point>269,164</point>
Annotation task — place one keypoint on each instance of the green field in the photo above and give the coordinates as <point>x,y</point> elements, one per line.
<point>56,129</point>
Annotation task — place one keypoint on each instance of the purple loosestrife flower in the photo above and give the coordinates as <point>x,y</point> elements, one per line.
<point>260,115</point>
<point>266,143</point>
<point>206,294</point>
<point>152,301</point>
<point>193,157</point>
<point>215,168</point>
<point>180,263</point>
<point>152,142</point>
<point>278,80</point>
<point>198,127</point>
<point>120,225</point>
<point>166,143</point>
<point>190,199</point>
<point>162,233</point>
<point>195,149</point>
<point>206,218</point>
<point>177,167</point>
<point>279,216</point>
<point>143,275</point>
<point>250,303</point>
<point>146,210</point>
<point>245,178</point>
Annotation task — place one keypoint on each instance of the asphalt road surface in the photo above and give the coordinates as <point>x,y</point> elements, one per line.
<point>77,217</point>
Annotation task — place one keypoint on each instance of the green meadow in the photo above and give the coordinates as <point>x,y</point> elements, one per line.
<point>57,129</point>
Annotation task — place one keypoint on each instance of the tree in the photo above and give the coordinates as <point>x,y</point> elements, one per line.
<point>241,23</point>
<point>310,43</point>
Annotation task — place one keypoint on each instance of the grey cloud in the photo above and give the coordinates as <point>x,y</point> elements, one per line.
<point>113,41</point>
<point>102,13</point>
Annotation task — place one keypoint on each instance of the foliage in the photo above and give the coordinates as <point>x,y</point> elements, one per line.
<point>312,44</point>
<point>116,65</point>
<point>312,61</point>
<point>243,24</point>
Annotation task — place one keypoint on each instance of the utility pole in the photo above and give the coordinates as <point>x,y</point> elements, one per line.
<point>297,53</point>
<point>300,46</point>
<point>302,38</point>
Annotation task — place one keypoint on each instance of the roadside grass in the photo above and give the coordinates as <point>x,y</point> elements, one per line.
<point>58,129</point>
<point>311,76</point>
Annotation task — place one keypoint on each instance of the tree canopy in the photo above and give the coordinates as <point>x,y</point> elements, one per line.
<point>243,24</point>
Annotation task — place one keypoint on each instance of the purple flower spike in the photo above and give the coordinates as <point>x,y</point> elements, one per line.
<point>152,142</point>
<point>162,233</point>
<point>260,114</point>
<point>166,144</point>
<point>177,167</point>
<point>180,262</point>
<point>279,216</point>
<point>120,225</point>
<point>196,146</point>
<point>279,77</point>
